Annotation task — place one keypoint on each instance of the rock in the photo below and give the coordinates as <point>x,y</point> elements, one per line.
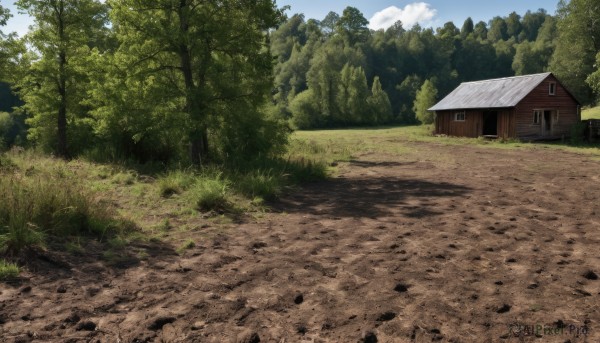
<point>25,289</point>
<point>86,326</point>
<point>61,289</point>
<point>159,322</point>
<point>199,325</point>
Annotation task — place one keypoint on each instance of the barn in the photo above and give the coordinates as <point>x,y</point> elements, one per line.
<point>528,107</point>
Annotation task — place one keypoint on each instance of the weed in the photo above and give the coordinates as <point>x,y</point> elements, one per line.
<point>211,193</point>
<point>187,245</point>
<point>8,270</point>
<point>175,182</point>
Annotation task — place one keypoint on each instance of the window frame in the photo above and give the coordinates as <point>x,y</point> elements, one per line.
<point>463,114</point>
<point>552,88</point>
<point>537,116</point>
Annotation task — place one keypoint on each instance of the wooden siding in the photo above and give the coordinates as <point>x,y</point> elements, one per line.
<point>540,99</point>
<point>473,124</point>
<point>517,122</point>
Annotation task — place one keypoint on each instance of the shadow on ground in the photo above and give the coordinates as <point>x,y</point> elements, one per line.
<point>370,197</point>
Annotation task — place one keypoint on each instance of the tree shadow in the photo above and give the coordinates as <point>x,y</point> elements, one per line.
<point>370,197</point>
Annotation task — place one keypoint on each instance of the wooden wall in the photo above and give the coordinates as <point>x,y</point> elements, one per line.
<point>539,98</point>
<point>473,124</point>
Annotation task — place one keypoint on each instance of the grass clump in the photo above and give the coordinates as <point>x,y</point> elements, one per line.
<point>36,209</point>
<point>175,182</point>
<point>211,193</point>
<point>187,245</point>
<point>8,270</point>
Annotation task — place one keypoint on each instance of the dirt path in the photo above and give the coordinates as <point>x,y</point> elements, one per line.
<point>446,243</point>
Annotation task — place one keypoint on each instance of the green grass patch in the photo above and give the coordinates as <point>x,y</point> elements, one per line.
<point>590,113</point>
<point>8,270</point>
<point>175,182</point>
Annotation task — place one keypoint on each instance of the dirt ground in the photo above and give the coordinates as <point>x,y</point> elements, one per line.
<point>445,243</point>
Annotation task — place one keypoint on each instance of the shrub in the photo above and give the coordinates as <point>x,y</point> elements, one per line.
<point>260,183</point>
<point>577,132</point>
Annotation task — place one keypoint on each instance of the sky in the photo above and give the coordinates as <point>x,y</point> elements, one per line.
<point>380,13</point>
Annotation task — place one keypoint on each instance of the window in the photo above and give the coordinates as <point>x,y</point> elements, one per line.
<point>552,88</point>
<point>537,117</point>
<point>459,116</point>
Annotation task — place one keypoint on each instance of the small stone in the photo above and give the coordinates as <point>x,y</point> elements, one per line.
<point>386,317</point>
<point>401,288</point>
<point>369,337</point>
<point>61,289</point>
<point>504,308</point>
<point>25,289</point>
<point>199,325</point>
<point>590,275</point>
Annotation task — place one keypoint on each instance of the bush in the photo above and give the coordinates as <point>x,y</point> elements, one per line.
<point>260,183</point>
<point>578,132</point>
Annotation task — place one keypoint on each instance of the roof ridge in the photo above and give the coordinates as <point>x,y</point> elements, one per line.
<point>509,77</point>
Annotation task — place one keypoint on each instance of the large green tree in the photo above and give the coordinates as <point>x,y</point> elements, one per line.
<point>53,77</point>
<point>577,45</point>
<point>208,60</point>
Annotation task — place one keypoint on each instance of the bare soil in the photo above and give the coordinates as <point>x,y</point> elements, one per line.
<point>445,243</point>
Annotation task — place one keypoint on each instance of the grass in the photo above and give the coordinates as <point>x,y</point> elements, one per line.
<point>590,113</point>
<point>43,201</point>
<point>8,270</point>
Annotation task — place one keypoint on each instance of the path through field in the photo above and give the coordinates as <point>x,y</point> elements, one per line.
<point>442,243</point>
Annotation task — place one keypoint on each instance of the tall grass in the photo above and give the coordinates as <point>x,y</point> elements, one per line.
<point>8,270</point>
<point>35,209</point>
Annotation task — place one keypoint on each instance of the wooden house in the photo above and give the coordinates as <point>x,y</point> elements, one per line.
<point>526,107</point>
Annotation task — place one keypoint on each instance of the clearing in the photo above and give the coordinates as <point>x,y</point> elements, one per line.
<point>413,241</point>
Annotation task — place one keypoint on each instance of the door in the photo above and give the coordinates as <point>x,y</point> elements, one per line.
<point>490,123</point>
<point>547,123</point>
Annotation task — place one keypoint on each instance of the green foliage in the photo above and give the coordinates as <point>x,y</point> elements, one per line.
<point>426,98</point>
<point>8,270</point>
<point>577,133</point>
<point>577,45</point>
<point>380,107</point>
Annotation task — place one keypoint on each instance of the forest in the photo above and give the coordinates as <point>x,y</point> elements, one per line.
<point>120,80</point>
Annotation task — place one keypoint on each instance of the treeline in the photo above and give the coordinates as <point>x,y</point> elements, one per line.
<point>164,80</point>
<point>336,72</point>
<point>216,81</point>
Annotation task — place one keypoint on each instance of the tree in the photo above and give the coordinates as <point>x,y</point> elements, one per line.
<point>380,107</point>
<point>513,25</point>
<point>51,87</point>
<point>480,31</point>
<point>467,28</point>
<point>329,23</point>
<point>209,62</point>
<point>426,98</point>
<point>498,30</point>
<point>353,25</point>
<point>577,45</point>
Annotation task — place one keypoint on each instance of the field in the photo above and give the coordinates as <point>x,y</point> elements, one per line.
<point>591,113</point>
<point>414,238</point>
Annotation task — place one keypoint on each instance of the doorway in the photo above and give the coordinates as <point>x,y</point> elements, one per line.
<point>547,123</point>
<point>490,123</point>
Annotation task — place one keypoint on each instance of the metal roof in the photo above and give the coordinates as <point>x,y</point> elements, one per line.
<point>495,93</point>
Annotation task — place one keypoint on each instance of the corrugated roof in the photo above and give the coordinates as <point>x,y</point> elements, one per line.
<point>496,93</point>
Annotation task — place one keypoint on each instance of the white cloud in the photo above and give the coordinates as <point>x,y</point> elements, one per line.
<point>411,14</point>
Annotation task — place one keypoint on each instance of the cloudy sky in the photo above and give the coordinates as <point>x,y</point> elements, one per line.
<point>383,13</point>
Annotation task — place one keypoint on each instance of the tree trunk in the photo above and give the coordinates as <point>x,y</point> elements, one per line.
<point>197,136</point>
<point>62,147</point>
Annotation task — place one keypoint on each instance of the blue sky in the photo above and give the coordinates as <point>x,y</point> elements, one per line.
<point>383,13</point>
